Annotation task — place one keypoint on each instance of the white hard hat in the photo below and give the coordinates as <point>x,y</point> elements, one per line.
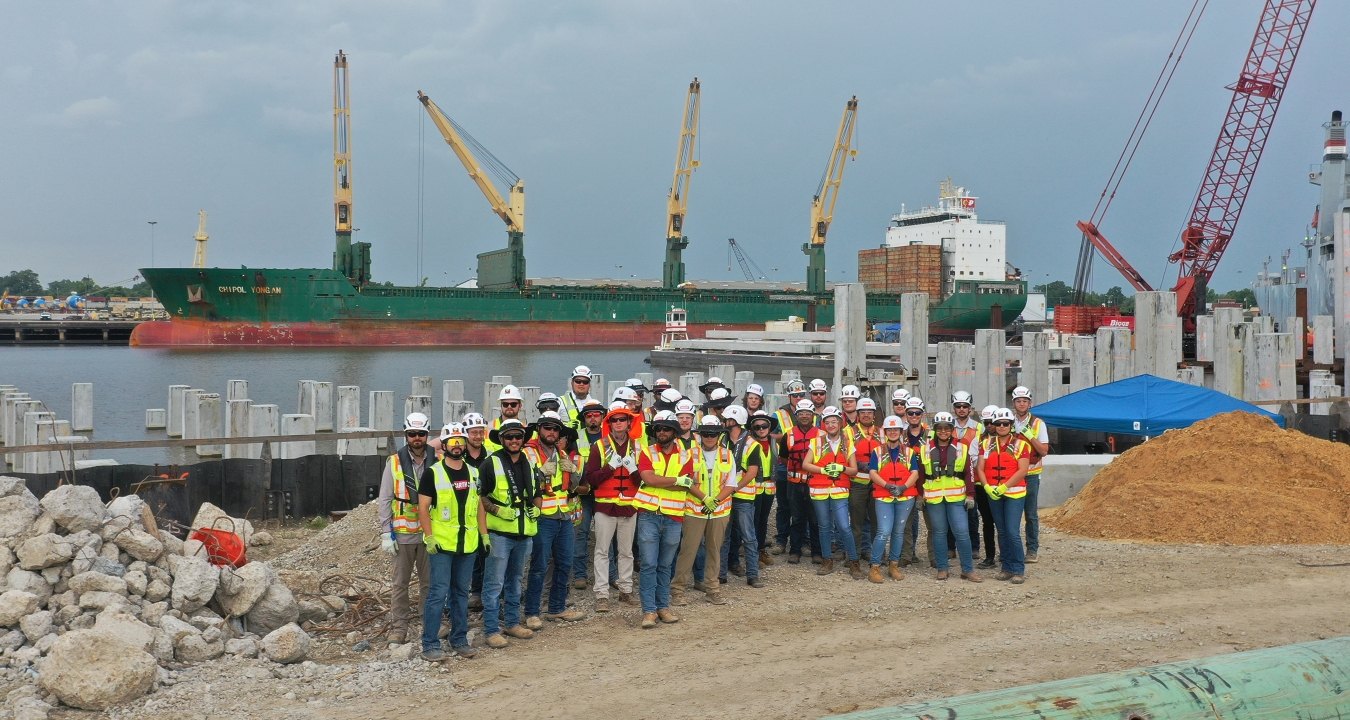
<point>944,418</point>
<point>452,430</point>
<point>636,384</point>
<point>581,371</point>
<point>831,411</point>
<point>850,391</point>
<point>509,392</point>
<point>866,404</point>
<point>795,388</point>
<point>714,381</point>
<point>900,394</point>
<point>1003,414</point>
<point>960,396</point>
<point>417,421</point>
<point>618,405</point>
<point>1021,391</point>
<point>660,383</point>
<point>685,407</point>
<point>737,413</point>
<point>474,420</point>
<point>666,418</point>
<point>753,389</point>
<point>805,406</point>
<point>625,393</point>
<point>671,395</point>
<point>987,412</point>
<point>914,403</point>
<point>592,405</point>
<point>817,385</point>
<point>549,417</point>
<point>547,398</point>
<point>892,422</point>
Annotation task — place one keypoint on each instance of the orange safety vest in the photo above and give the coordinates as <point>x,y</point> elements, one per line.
<point>665,500</point>
<point>797,443</point>
<point>894,472</point>
<point>864,442</point>
<point>552,497</point>
<point>1001,462</point>
<point>822,486</point>
<point>620,488</point>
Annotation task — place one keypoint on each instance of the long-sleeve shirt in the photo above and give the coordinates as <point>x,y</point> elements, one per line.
<point>385,501</point>
<point>597,472</point>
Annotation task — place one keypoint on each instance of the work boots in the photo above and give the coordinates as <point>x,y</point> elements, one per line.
<point>893,569</point>
<point>855,570</point>
<point>874,574</point>
<point>826,567</point>
<point>765,558</point>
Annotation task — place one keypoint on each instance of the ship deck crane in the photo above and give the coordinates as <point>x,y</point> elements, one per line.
<point>749,268</point>
<point>350,259</point>
<point>677,202</point>
<point>1232,165</point>
<point>498,268</point>
<point>199,253</point>
<point>827,194</point>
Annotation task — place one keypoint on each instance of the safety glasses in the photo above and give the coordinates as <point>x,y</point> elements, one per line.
<point>416,433</point>
<point>509,437</point>
<point>510,404</point>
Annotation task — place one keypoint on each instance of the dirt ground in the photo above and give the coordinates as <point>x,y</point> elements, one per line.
<point>808,646</point>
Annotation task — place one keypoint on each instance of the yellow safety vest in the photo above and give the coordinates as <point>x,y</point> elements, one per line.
<point>505,495</point>
<point>553,499</point>
<point>945,484</point>
<point>763,484</point>
<point>454,519</point>
<point>1032,431</point>
<point>404,504</point>
<point>665,500</point>
<point>711,480</point>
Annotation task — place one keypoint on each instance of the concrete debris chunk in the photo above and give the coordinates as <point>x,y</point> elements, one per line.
<point>45,551</point>
<point>95,670</point>
<point>286,644</point>
<point>16,605</point>
<point>194,582</point>
<point>274,609</point>
<point>75,507</point>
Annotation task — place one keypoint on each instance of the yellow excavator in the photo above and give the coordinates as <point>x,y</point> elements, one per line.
<point>677,203</point>
<point>827,194</point>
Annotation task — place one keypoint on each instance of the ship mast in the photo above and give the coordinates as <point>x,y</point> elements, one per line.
<point>352,260</point>
<point>199,254</point>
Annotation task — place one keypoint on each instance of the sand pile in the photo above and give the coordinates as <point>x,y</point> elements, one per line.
<point>1235,479</point>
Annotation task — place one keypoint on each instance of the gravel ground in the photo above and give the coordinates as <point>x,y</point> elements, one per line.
<point>808,646</point>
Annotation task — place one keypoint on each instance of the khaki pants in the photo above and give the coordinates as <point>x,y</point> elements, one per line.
<point>608,529</point>
<point>409,556</point>
<point>711,532</point>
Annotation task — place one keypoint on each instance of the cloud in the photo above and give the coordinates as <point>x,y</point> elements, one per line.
<point>295,119</point>
<point>90,111</point>
<point>17,74</point>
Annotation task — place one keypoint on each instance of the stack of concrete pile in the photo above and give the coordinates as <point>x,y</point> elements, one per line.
<point>97,609</point>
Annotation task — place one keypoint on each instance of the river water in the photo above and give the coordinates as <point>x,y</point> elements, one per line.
<point>127,381</point>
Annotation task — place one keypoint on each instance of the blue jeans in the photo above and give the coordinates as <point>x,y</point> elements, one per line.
<point>451,574</point>
<point>582,539</point>
<point>658,542</point>
<point>1008,520</point>
<point>1033,514</point>
<point>501,581</point>
<point>891,517</point>
<point>552,542</point>
<point>743,526</point>
<point>951,516</point>
<point>836,508</point>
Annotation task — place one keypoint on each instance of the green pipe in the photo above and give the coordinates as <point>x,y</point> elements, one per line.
<point>1309,681</point>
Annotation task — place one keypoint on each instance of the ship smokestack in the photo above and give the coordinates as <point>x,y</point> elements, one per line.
<point>1335,147</point>
<point>1335,115</point>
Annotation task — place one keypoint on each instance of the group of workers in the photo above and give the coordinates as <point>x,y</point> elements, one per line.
<point>685,490</point>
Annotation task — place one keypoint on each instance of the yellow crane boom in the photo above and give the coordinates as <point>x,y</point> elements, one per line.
<point>827,194</point>
<point>352,259</point>
<point>677,203</point>
<point>199,254</point>
<point>512,212</point>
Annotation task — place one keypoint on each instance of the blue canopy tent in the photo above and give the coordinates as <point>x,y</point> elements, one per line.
<point>1141,405</point>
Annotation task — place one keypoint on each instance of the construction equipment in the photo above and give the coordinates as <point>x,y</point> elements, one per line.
<point>749,267</point>
<point>677,202</point>
<point>350,259</point>
<point>199,253</point>
<point>498,268</point>
<point>1232,165</point>
<point>827,194</point>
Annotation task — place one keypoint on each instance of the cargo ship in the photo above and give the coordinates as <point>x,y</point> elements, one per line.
<point>341,306</point>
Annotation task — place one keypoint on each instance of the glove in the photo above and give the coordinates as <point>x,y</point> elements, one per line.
<point>506,513</point>
<point>531,512</point>
<point>684,481</point>
<point>430,542</point>
<point>485,542</point>
<point>833,469</point>
<point>895,489</point>
<point>630,464</point>
<point>549,468</point>
<point>567,465</point>
<point>709,504</point>
<point>388,545</point>
<point>970,503</point>
<point>617,461</point>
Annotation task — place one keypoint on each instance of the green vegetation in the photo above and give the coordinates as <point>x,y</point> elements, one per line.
<point>1061,293</point>
<point>26,282</point>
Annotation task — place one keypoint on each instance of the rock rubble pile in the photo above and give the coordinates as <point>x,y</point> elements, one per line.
<point>99,607</point>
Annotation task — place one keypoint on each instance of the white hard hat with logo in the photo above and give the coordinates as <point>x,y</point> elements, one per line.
<point>866,404</point>
<point>685,407</point>
<point>509,392</point>
<point>581,371</point>
<point>736,413</point>
<point>1021,391</point>
<point>960,397</point>
<point>474,420</point>
<point>892,422</point>
<point>987,412</point>
<point>818,385</point>
<point>417,421</point>
<point>850,391</point>
<point>831,411</point>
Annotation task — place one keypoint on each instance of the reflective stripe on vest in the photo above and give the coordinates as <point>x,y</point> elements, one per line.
<point>864,443</point>
<point>711,481</point>
<point>1032,430</point>
<point>822,486</point>
<point>763,483</point>
<point>454,520</point>
<point>667,501</point>
<point>553,499</point>
<point>797,448</point>
<point>945,483</point>
<point>620,488</point>
<point>506,493</point>
<point>894,472</point>
<point>1001,464</point>
<point>404,505</point>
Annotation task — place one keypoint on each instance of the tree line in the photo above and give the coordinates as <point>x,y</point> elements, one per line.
<point>27,282</point>
<point>1061,293</point>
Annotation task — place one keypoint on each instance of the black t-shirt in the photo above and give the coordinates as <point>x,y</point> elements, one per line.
<point>487,475</point>
<point>427,484</point>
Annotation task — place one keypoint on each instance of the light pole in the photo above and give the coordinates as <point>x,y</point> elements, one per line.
<point>152,224</point>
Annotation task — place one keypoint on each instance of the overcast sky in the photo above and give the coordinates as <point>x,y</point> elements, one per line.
<point>115,114</point>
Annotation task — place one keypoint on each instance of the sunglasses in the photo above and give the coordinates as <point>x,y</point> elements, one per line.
<point>581,381</point>
<point>510,404</point>
<point>619,419</point>
<point>913,412</point>
<point>958,406</point>
<point>760,426</point>
<point>897,402</point>
<point>452,442</point>
<point>817,392</point>
<point>709,435</point>
<point>1002,423</point>
<point>416,433</point>
<point>513,436</point>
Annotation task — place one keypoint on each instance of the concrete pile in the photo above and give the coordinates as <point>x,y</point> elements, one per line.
<point>97,609</point>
